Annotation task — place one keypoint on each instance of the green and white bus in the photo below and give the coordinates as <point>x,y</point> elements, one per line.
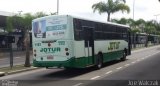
<point>72,42</point>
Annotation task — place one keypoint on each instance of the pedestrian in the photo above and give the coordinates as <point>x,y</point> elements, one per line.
<point>3,43</point>
<point>19,44</point>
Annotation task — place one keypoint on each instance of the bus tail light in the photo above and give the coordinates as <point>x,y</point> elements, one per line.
<point>49,44</point>
<point>67,54</point>
<point>35,55</point>
<point>34,50</point>
<point>66,49</point>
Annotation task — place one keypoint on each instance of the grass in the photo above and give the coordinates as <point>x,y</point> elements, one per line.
<point>14,68</point>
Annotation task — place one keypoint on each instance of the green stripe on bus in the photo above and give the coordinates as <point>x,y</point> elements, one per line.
<point>80,62</point>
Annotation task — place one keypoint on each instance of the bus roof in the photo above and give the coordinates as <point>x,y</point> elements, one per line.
<point>82,19</point>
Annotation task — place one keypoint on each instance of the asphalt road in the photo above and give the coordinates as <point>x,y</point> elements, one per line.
<point>143,64</point>
<point>147,70</point>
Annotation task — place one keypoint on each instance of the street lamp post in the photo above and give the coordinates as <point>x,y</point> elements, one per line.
<point>133,8</point>
<point>19,12</point>
<point>156,17</point>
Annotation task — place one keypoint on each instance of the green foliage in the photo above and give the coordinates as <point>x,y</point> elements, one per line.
<point>140,26</point>
<point>40,14</point>
<point>22,22</point>
<point>136,30</point>
<point>110,7</point>
<point>9,27</point>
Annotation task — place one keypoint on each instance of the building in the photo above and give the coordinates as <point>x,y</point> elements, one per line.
<point>3,32</point>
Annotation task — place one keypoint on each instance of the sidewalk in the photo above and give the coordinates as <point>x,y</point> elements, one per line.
<point>16,53</point>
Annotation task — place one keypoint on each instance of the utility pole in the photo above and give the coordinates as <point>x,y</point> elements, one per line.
<point>19,12</point>
<point>156,17</point>
<point>133,8</point>
<point>57,7</point>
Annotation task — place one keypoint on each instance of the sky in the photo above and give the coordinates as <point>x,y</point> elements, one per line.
<point>145,9</point>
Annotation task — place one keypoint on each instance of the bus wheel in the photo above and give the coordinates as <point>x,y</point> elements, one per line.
<point>99,61</point>
<point>124,56</point>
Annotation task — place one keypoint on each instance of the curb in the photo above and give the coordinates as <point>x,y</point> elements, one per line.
<point>17,71</point>
<point>144,48</point>
<point>2,74</point>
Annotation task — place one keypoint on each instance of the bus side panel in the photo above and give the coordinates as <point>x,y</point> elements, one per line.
<point>109,50</point>
<point>82,57</point>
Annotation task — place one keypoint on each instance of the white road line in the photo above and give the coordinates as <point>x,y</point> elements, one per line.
<point>143,58</point>
<point>95,77</point>
<point>1,59</point>
<point>127,65</point>
<point>119,68</point>
<point>17,57</point>
<point>138,60</point>
<point>151,55</point>
<point>13,57</point>
<point>108,72</point>
<point>78,84</point>
<point>133,62</point>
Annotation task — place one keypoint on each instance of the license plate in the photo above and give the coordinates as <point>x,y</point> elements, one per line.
<point>50,57</point>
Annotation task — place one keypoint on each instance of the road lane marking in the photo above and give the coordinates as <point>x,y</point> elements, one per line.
<point>78,84</point>
<point>151,55</point>
<point>126,65</point>
<point>95,77</point>
<point>108,72</point>
<point>6,58</point>
<point>119,68</point>
<point>138,60</point>
<point>145,57</point>
<point>1,59</point>
<point>133,62</point>
<point>17,57</point>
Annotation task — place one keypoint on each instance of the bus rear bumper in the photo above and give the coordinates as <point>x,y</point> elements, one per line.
<point>71,63</point>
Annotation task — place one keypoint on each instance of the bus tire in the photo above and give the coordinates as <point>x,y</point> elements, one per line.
<point>124,56</point>
<point>99,61</point>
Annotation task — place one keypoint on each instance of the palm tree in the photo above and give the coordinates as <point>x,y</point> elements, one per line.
<point>110,7</point>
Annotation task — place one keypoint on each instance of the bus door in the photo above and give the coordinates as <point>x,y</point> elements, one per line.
<point>89,43</point>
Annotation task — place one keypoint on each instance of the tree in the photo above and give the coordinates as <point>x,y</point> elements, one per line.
<point>110,7</point>
<point>27,19</point>
<point>40,14</point>
<point>23,23</point>
<point>9,24</point>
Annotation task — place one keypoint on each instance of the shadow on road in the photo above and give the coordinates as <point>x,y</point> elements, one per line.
<point>70,73</point>
<point>57,77</point>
